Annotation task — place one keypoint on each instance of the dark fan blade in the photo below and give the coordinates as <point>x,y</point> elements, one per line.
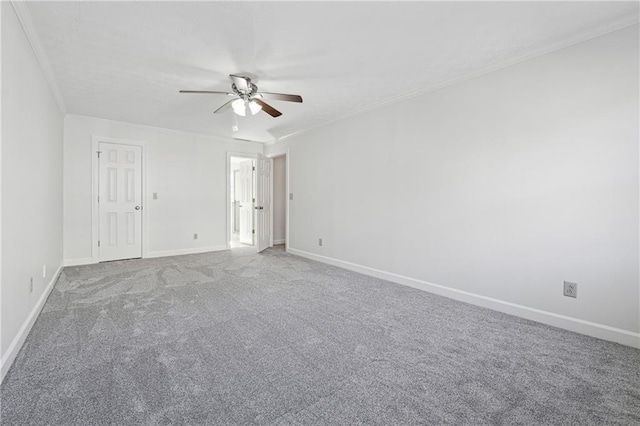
<point>241,83</point>
<point>268,108</point>
<point>281,97</point>
<point>225,107</point>
<point>207,92</point>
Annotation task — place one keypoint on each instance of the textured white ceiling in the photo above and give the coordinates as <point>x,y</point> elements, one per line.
<point>127,61</point>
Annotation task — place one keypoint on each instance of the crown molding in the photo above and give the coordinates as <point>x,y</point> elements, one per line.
<point>24,16</point>
<point>620,24</point>
<point>164,129</point>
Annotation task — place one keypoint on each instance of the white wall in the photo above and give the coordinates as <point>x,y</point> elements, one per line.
<point>502,186</point>
<point>31,189</point>
<point>188,171</point>
<point>279,199</point>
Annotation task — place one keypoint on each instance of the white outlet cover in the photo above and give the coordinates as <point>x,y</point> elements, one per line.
<point>570,289</point>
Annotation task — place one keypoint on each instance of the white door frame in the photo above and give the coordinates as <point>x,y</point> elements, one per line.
<point>285,153</point>
<point>95,174</point>
<point>228,180</point>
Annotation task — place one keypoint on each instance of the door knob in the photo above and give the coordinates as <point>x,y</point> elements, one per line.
<point>137,207</point>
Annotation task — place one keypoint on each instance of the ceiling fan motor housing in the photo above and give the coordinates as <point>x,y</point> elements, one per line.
<point>246,95</point>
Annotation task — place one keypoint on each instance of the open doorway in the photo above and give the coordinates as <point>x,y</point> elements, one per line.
<point>280,200</point>
<point>241,202</point>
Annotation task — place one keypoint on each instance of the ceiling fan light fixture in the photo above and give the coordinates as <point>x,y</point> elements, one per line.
<point>254,107</point>
<point>239,107</point>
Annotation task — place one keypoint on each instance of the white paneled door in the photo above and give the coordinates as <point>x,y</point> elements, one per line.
<point>246,202</point>
<point>120,201</point>
<point>263,202</point>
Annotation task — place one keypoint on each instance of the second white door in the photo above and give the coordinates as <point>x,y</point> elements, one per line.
<point>263,202</point>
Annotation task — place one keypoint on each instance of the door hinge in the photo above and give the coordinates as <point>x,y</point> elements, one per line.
<point>98,243</point>
<point>254,200</point>
<point>98,152</point>
<point>253,232</point>
<point>98,198</point>
<point>253,168</point>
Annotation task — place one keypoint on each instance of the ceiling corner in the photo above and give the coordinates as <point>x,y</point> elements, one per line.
<point>24,16</point>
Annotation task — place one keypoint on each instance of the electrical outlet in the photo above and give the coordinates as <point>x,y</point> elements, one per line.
<point>44,271</point>
<point>570,289</point>
<point>31,285</point>
<point>195,236</point>
<point>291,195</point>
<point>320,242</point>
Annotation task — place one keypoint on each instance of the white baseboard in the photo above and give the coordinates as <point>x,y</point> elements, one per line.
<point>78,262</point>
<point>278,242</point>
<point>12,351</point>
<point>589,328</point>
<point>164,253</point>
<point>153,254</point>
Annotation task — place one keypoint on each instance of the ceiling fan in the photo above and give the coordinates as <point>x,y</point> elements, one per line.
<point>249,100</point>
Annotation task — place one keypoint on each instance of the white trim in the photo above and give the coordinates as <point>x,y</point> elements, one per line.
<point>286,200</point>
<point>215,138</point>
<point>1,291</point>
<point>271,204</point>
<point>24,16</point>
<point>278,242</point>
<point>228,202</point>
<point>589,328</point>
<point>179,252</point>
<point>275,154</point>
<point>619,24</point>
<point>15,346</point>
<point>78,262</point>
<point>95,170</point>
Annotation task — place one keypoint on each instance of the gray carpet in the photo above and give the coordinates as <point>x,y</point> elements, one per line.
<point>237,337</point>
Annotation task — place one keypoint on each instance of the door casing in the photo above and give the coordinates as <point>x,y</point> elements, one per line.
<point>283,153</point>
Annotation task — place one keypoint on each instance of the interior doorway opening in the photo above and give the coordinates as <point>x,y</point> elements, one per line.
<point>242,182</point>
<point>280,198</point>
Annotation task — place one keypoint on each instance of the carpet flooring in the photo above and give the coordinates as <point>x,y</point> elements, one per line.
<point>236,337</point>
